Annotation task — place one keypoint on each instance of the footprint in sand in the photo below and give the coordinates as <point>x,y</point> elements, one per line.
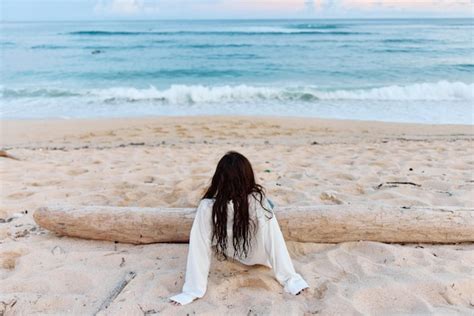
<point>356,189</point>
<point>330,197</point>
<point>320,291</point>
<point>344,176</point>
<point>254,283</point>
<point>57,250</point>
<point>396,296</point>
<point>8,259</point>
<point>76,172</point>
<point>45,183</point>
<point>20,195</point>
<point>88,135</point>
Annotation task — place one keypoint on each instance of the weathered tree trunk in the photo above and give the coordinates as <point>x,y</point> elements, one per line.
<point>325,224</point>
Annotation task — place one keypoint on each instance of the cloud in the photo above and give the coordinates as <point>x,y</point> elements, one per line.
<point>394,8</point>
<point>125,7</point>
<point>280,8</point>
<point>408,4</point>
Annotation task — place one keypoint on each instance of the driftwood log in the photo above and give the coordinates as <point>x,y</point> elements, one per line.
<point>325,224</point>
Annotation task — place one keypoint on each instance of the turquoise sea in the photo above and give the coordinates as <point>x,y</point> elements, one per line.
<point>416,70</point>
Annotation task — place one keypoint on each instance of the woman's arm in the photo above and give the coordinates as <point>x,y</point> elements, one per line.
<point>279,257</point>
<point>199,256</point>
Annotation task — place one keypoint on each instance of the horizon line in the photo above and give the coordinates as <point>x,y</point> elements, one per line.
<point>242,19</point>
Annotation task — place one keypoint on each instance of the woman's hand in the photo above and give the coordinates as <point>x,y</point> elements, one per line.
<point>175,303</point>
<point>302,291</point>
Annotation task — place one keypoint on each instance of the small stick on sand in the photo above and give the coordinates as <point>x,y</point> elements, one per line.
<point>116,291</point>
<point>394,183</point>
<point>7,306</point>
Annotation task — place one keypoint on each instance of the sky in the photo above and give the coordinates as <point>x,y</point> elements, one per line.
<point>54,10</point>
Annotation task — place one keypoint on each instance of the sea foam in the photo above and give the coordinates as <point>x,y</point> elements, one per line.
<point>181,94</point>
<point>195,94</point>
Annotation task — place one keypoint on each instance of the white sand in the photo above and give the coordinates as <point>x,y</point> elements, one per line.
<point>169,162</point>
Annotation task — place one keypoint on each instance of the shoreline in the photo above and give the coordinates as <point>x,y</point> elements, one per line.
<point>21,133</point>
<point>154,117</point>
<point>233,116</point>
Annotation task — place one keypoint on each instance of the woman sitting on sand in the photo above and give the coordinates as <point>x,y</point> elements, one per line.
<point>234,213</point>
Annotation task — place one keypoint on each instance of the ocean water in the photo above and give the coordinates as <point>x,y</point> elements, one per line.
<point>387,70</point>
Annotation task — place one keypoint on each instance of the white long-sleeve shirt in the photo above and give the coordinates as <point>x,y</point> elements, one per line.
<point>267,248</point>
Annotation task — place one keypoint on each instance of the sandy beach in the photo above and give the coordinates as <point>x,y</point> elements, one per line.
<point>154,162</point>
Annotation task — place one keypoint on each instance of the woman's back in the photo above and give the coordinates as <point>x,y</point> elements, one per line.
<point>258,215</point>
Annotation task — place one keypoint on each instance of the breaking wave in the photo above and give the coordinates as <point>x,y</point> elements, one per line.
<point>196,94</point>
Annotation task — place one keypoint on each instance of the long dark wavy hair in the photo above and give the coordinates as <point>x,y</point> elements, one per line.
<point>234,181</point>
